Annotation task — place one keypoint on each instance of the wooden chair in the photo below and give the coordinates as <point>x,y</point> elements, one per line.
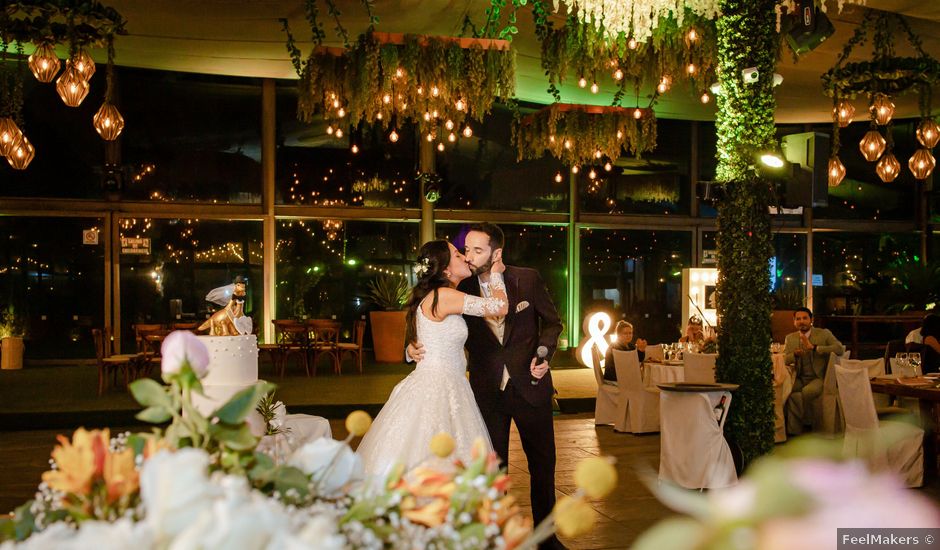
<point>109,364</point>
<point>292,339</point>
<point>149,336</point>
<point>325,341</point>
<point>354,347</point>
<point>184,326</point>
<point>273,350</point>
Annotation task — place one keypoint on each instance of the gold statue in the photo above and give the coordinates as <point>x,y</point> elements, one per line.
<point>231,319</point>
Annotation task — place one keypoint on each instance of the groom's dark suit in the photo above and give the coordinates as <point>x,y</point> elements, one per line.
<point>532,321</point>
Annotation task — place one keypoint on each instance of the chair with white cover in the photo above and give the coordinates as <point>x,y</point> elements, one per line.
<point>700,367</point>
<point>693,451</point>
<point>827,414</point>
<point>608,394</point>
<point>655,352</point>
<point>887,445</point>
<point>639,406</point>
<point>875,367</point>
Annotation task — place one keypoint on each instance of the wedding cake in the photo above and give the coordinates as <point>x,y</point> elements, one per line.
<point>233,366</point>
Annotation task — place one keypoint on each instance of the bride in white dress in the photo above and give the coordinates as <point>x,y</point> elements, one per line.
<point>436,397</point>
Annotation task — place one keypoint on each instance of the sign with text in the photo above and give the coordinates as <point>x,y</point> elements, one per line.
<point>709,257</point>
<point>90,236</point>
<point>135,245</point>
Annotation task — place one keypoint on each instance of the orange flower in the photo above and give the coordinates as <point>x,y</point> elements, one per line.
<point>516,530</point>
<point>503,509</point>
<point>155,444</point>
<point>429,515</point>
<point>430,483</point>
<point>77,461</point>
<point>120,477</point>
<point>502,483</point>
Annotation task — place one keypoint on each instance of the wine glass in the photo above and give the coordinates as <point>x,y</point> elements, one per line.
<point>903,364</point>
<point>914,360</point>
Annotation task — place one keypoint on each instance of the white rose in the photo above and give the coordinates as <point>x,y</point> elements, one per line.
<point>320,533</point>
<point>181,347</point>
<point>280,414</point>
<point>331,463</point>
<point>175,489</point>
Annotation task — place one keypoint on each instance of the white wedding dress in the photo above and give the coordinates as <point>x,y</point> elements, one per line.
<point>436,397</point>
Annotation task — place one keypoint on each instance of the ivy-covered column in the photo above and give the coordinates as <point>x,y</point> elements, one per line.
<point>747,39</point>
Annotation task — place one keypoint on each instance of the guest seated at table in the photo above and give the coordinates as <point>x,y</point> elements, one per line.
<point>930,356</point>
<point>694,333</point>
<point>808,351</point>
<point>624,343</point>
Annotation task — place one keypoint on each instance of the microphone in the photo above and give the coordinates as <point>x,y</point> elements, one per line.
<point>541,353</point>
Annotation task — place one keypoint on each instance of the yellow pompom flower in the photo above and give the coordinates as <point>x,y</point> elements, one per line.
<point>596,476</point>
<point>442,445</point>
<point>358,423</point>
<point>573,516</point>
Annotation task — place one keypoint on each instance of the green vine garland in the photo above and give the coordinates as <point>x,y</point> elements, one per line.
<point>49,20</point>
<point>575,134</point>
<point>386,79</point>
<point>745,126</point>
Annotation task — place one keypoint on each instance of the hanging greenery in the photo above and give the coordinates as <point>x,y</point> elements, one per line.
<point>745,126</point>
<point>439,83</point>
<point>585,134</point>
<point>59,21</point>
<point>676,50</point>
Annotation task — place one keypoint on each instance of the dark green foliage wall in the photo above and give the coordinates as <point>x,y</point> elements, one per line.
<point>745,126</point>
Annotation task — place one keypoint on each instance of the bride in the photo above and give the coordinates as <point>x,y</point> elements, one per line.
<point>436,397</point>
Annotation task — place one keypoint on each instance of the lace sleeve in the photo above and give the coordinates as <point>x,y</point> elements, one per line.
<point>481,307</point>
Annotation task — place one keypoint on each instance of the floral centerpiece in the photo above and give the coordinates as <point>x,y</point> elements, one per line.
<point>201,482</point>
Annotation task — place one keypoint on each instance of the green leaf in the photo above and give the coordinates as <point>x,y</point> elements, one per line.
<point>237,408</point>
<point>675,534</point>
<point>154,415</point>
<point>288,477</point>
<point>149,393</point>
<point>238,438</point>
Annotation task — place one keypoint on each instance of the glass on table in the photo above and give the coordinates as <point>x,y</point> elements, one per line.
<point>914,360</point>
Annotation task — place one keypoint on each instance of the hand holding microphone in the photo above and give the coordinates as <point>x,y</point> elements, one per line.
<point>539,367</point>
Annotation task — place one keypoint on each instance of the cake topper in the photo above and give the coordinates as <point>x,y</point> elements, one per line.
<point>231,319</point>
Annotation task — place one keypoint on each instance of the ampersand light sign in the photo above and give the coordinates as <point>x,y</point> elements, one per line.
<point>596,325</point>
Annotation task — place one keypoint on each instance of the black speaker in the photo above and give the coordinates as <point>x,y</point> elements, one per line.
<point>808,183</point>
<point>810,28</point>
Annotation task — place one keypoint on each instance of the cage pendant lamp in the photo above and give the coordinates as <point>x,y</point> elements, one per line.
<point>44,63</point>
<point>888,167</point>
<point>928,133</point>
<point>10,135</point>
<point>872,145</point>
<point>72,87</point>
<point>83,63</point>
<point>108,120</point>
<point>843,113</point>
<point>22,154</point>
<point>882,109</point>
<point>836,171</point>
<point>921,164</point>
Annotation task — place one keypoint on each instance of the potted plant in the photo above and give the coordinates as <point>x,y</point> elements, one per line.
<point>786,299</point>
<point>12,331</point>
<point>389,293</point>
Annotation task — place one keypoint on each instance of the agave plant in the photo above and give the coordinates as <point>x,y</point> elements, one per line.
<point>389,292</point>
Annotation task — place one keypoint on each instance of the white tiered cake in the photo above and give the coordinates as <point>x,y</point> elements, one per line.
<point>233,366</point>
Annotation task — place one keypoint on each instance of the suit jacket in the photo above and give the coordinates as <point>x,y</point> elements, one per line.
<point>825,343</point>
<point>534,325</point>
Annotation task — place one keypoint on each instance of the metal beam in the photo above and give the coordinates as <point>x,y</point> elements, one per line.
<point>269,238</point>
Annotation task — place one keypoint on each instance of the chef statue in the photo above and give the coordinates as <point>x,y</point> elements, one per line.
<point>231,319</point>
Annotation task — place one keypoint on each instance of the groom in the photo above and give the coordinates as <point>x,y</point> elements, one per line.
<point>508,381</point>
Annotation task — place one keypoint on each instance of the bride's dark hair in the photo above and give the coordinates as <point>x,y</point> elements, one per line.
<point>433,259</point>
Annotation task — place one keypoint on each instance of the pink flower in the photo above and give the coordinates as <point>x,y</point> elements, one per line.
<point>183,347</point>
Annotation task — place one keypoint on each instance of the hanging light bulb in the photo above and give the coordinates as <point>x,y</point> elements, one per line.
<point>693,35</point>
<point>21,155</point>
<point>386,99</point>
<point>393,136</point>
<point>460,105</point>
<point>921,163</point>
<point>427,116</point>
<point>595,88</point>
<point>843,113</point>
<point>575,169</point>
<point>108,122</point>
<point>662,86</point>
<point>836,171</point>
<point>598,154</point>
<point>399,72</point>
<point>449,124</point>
<point>452,138</point>
<point>638,113</point>
<point>339,133</point>
<point>567,144</point>
<point>44,63</point>
<point>582,82</point>
<point>882,109</point>
<point>608,167</point>
<point>558,177</point>
<point>435,91</point>
<point>928,132</point>
<point>83,63</point>
<point>379,116</point>
<point>888,168</point>
<point>705,98</point>
<point>72,87</point>
<point>592,174</point>
<point>329,130</point>
<point>691,68</point>
<point>10,135</point>
<point>341,113</point>
<point>440,147</point>
<point>467,131</point>
<point>632,44</point>
<point>872,145</point>
<point>619,134</point>
<point>618,74</point>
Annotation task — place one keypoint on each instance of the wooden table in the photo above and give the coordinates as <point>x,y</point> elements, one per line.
<point>928,397</point>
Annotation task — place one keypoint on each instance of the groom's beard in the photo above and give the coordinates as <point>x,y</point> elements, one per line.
<point>485,268</point>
